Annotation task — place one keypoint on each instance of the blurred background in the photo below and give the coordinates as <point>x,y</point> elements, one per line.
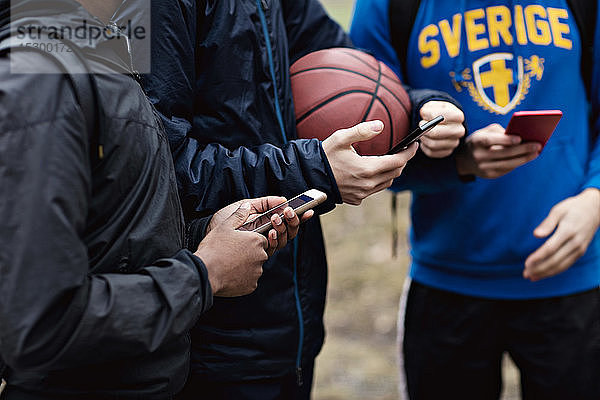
<point>358,360</point>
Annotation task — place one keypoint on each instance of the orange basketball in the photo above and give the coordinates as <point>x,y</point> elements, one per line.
<point>338,88</point>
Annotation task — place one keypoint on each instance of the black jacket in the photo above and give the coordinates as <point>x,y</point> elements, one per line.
<point>96,294</point>
<point>213,79</point>
<point>225,97</point>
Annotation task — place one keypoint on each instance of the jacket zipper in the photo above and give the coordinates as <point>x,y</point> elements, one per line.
<point>260,4</point>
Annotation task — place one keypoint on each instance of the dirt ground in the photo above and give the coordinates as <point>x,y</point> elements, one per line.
<point>358,360</point>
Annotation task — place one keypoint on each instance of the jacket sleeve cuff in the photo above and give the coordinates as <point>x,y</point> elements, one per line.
<point>593,182</point>
<point>204,293</point>
<point>334,192</point>
<point>195,232</point>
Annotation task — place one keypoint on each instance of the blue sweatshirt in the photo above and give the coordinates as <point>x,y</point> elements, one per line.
<point>495,58</point>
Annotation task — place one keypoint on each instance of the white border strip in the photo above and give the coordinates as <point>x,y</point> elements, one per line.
<point>402,386</point>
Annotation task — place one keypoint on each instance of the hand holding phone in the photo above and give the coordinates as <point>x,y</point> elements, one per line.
<point>415,135</point>
<point>534,126</point>
<point>300,204</point>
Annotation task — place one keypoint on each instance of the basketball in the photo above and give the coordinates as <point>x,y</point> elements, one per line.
<point>338,88</point>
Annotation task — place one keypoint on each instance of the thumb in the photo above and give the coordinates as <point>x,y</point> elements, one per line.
<point>239,216</point>
<point>549,224</point>
<point>358,133</point>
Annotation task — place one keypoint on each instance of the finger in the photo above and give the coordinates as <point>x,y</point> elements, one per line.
<point>551,269</point>
<point>549,224</point>
<point>372,184</point>
<point>505,153</point>
<point>358,133</point>
<point>263,204</point>
<point>438,145</point>
<point>273,242</point>
<point>555,262</point>
<point>293,222</point>
<point>449,111</point>
<point>380,187</point>
<point>264,241</point>
<point>438,153</point>
<point>505,166</point>
<point>278,225</point>
<point>549,248</point>
<point>291,218</point>
<point>274,201</point>
<point>493,135</point>
<point>377,165</point>
<point>307,215</point>
<point>239,216</point>
<point>443,132</point>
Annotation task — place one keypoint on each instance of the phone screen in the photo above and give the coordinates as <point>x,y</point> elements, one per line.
<point>265,218</point>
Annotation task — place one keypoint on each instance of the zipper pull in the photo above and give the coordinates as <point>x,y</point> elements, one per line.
<point>265,4</point>
<point>299,379</point>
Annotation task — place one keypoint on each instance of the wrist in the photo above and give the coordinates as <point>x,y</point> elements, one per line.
<point>593,195</point>
<point>213,278</point>
<point>463,166</point>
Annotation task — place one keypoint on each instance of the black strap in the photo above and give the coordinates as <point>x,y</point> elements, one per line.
<point>402,14</point>
<point>584,12</point>
<point>74,65</point>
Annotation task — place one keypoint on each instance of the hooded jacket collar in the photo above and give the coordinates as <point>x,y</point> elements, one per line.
<point>64,18</point>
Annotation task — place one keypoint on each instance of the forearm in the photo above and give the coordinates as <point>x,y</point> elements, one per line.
<point>130,314</point>
<point>212,177</point>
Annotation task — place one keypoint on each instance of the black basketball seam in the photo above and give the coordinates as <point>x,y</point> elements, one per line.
<point>389,113</point>
<point>391,124</point>
<point>360,74</point>
<point>374,95</point>
<point>366,63</point>
<point>327,101</point>
<point>333,68</point>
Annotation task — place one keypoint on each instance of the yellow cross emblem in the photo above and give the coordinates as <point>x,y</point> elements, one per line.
<point>499,78</point>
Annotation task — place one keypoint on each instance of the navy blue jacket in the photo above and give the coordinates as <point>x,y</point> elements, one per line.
<point>220,80</point>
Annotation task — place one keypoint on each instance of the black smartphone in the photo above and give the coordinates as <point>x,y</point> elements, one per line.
<point>300,204</point>
<point>415,135</point>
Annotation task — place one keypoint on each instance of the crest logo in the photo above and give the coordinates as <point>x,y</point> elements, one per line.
<point>499,81</point>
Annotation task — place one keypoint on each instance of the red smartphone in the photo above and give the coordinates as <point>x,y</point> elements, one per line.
<point>534,126</point>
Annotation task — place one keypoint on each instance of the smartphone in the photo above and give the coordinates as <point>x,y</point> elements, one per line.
<point>300,204</point>
<point>415,135</point>
<point>534,126</point>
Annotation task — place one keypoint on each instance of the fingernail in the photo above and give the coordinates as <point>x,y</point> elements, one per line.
<point>245,206</point>
<point>536,147</point>
<point>376,126</point>
<point>515,139</point>
<point>277,220</point>
<point>289,213</point>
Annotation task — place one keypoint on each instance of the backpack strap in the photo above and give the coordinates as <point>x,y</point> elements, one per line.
<point>402,14</point>
<point>72,62</point>
<point>584,12</point>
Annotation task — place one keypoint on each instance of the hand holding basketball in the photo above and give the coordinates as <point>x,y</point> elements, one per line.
<point>358,176</point>
<point>338,88</point>
<point>441,141</point>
